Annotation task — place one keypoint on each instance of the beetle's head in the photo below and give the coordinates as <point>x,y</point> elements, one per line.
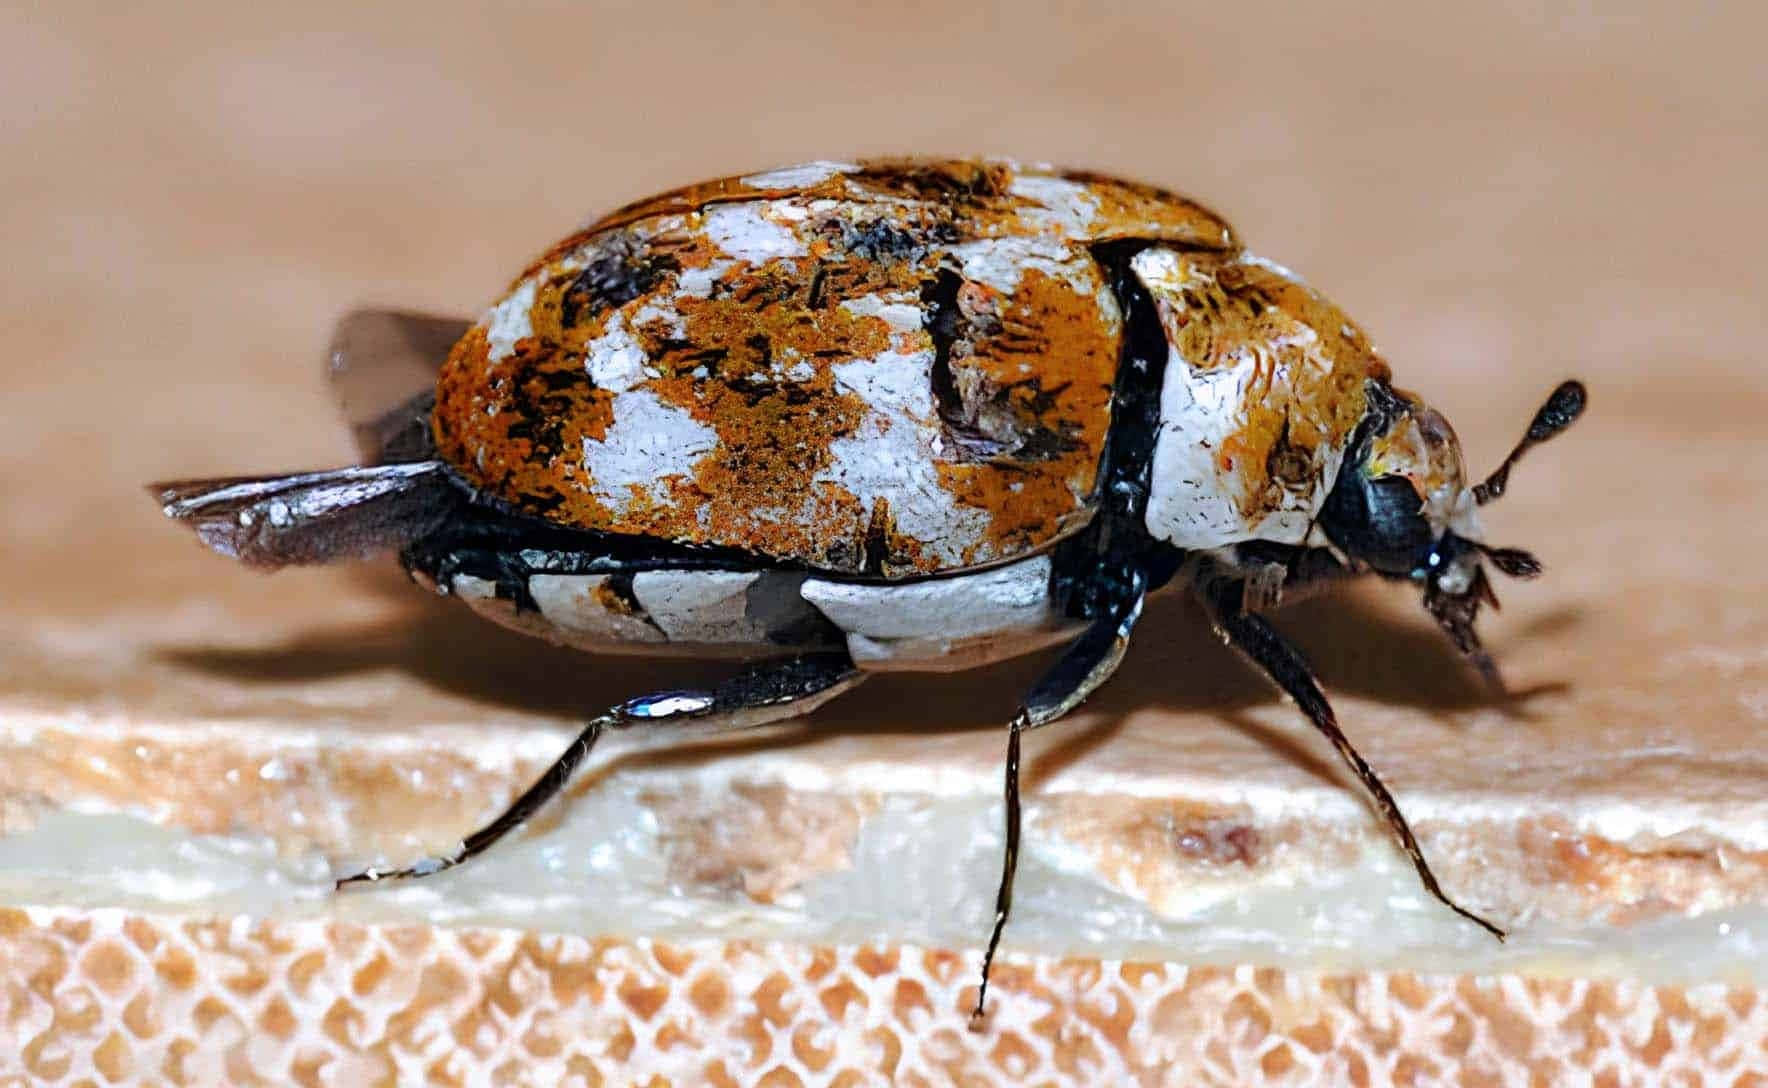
<point>1402,506</point>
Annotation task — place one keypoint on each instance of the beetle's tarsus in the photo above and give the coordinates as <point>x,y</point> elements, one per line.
<point>1488,671</point>
<point>376,876</point>
<point>426,867</point>
<point>1010,864</point>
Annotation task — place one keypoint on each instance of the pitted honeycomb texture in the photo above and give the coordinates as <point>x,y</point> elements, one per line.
<point>106,996</point>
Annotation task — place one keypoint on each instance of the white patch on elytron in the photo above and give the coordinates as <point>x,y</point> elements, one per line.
<point>509,321</point>
<point>699,282</point>
<point>802,175</point>
<point>1194,503</point>
<point>891,455</point>
<point>743,231</point>
<point>651,313</point>
<point>1066,205</point>
<point>571,603</point>
<point>615,360</point>
<point>1165,271</point>
<point>1001,263</point>
<point>897,311</point>
<point>1283,271</point>
<point>648,443</point>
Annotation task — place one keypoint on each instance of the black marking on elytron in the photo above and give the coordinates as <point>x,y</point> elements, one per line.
<point>539,403</point>
<point>676,356</point>
<point>625,270</point>
<point>947,326</point>
<point>1096,568</point>
<point>1287,463</point>
<point>881,239</point>
<point>877,539</point>
<point>934,184</point>
<point>1047,444</point>
<point>757,293</point>
<point>878,240</point>
<point>1044,443</point>
<point>944,324</point>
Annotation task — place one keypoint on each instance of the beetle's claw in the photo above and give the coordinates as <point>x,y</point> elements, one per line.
<point>1488,670</point>
<point>374,876</point>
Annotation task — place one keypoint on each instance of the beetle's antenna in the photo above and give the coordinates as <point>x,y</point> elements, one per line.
<point>1512,561</point>
<point>1563,407</point>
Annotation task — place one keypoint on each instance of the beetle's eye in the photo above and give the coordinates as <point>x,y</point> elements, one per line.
<point>1379,521</point>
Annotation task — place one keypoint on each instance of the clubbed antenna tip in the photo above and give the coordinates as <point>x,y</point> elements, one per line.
<point>1563,407</point>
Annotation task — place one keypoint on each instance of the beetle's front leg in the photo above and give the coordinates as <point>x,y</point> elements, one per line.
<point>1087,664</point>
<point>757,696</point>
<point>1271,652</point>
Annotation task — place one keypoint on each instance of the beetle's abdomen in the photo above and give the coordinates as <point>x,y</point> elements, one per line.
<point>931,625</point>
<point>897,372</point>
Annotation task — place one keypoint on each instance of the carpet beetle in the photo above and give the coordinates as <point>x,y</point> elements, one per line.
<point>842,418</point>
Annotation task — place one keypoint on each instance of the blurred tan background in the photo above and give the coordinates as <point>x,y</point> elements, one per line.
<point>192,192</point>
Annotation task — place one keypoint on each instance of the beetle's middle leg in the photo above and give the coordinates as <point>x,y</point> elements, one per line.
<point>759,695</point>
<point>1089,662</point>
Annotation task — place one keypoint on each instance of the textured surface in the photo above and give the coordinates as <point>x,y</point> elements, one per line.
<point>115,997</point>
<point>1501,199</point>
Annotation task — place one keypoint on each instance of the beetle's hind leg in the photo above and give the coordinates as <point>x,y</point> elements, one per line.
<point>759,695</point>
<point>1271,652</point>
<point>1087,664</point>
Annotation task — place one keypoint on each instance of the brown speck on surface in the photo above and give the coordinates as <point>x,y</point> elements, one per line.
<point>759,842</point>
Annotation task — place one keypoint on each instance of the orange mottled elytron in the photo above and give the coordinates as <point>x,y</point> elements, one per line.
<point>891,369</point>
